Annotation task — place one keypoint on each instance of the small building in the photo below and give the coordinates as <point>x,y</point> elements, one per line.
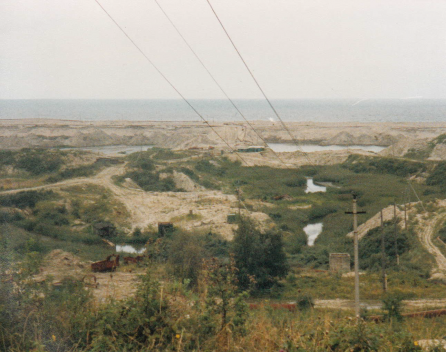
<point>339,262</point>
<point>104,229</point>
<point>252,149</point>
<point>164,228</point>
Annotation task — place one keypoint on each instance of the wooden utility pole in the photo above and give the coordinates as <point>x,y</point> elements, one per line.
<point>383,255</point>
<point>406,200</point>
<point>239,203</point>
<point>396,234</point>
<point>355,233</point>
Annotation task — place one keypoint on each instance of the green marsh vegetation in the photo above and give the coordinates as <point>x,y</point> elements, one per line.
<point>191,302</point>
<point>32,167</point>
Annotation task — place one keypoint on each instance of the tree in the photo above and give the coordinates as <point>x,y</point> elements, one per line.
<point>259,257</point>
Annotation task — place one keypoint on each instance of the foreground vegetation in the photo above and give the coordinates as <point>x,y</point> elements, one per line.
<point>171,314</point>
<point>195,293</point>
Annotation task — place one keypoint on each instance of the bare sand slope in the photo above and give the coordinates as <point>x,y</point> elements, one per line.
<point>183,135</point>
<point>210,208</point>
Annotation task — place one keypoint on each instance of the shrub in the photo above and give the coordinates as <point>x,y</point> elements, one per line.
<point>25,199</point>
<point>258,256</point>
<point>392,304</point>
<point>398,167</point>
<point>304,302</point>
<point>437,176</point>
<point>38,161</point>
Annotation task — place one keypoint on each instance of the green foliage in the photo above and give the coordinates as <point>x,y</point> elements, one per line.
<point>143,320</point>
<point>321,211</point>
<point>259,257</point>
<point>418,154</point>
<point>151,182</point>
<point>185,255</point>
<point>225,309</point>
<point>441,139</point>
<point>80,171</point>
<point>370,247</point>
<point>141,160</point>
<point>298,181</point>
<point>6,157</point>
<point>437,176</point>
<point>25,199</point>
<point>38,161</point>
<point>208,167</point>
<point>9,217</point>
<point>163,154</point>
<point>441,232</point>
<point>398,167</point>
<point>192,175</point>
<point>393,304</point>
<point>304,302</point>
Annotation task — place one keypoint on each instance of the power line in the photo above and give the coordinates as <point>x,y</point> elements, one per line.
<point>215,80</point>
<point>258,85</point>
<point>168,81</point>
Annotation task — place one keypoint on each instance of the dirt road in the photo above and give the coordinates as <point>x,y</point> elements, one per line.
<point>210,208</point>
<point>426,230</point>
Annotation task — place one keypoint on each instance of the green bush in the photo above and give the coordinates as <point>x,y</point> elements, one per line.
<point>437,176</point>
<point>370,247</point>
<point>207,167</point>
<point>398,167</point>
<point>25,199</point>
<point>38,161</point>
<point>151,182</point>
<point>304,302</point>
<point>142,161</point>
<point>258,256</point>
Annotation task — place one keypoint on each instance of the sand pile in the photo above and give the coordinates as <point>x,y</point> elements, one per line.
<point>184,182</point>
<point>59,265</point>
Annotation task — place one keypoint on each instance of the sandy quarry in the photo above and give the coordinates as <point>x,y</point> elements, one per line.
<point>183,135</point>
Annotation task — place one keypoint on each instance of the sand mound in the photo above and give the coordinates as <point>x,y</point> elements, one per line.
<point>59,265</point>
<point>184,182</point>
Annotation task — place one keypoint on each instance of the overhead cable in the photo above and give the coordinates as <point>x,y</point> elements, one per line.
<point>215,80</point>
<point>258,85</point>
<point>169,82</point>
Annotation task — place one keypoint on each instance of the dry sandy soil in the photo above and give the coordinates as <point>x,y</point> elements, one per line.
<point>210,208</point>
<point>183,135</point>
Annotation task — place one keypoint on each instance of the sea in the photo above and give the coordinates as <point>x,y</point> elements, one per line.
<point>298,110</point>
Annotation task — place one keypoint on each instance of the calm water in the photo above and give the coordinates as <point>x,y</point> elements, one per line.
<point>313,231</point>
<point>312,188</point>
<point>308,148</point>
<point>113,149</point>
<point>126,248</point>
<point>409,110</point>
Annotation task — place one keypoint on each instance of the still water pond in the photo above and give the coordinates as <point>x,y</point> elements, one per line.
<point>309,148</point>
<point>313,231</point>
<point>312,188</point>
<point>114,149</point>
<point>126,248</point>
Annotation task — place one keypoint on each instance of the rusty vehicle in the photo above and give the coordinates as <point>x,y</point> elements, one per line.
<point>106,265</point>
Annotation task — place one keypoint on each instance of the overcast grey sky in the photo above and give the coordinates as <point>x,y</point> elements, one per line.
<point>297,49</point>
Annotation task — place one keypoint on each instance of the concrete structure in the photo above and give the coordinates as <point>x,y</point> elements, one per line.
<point>339,262</point>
